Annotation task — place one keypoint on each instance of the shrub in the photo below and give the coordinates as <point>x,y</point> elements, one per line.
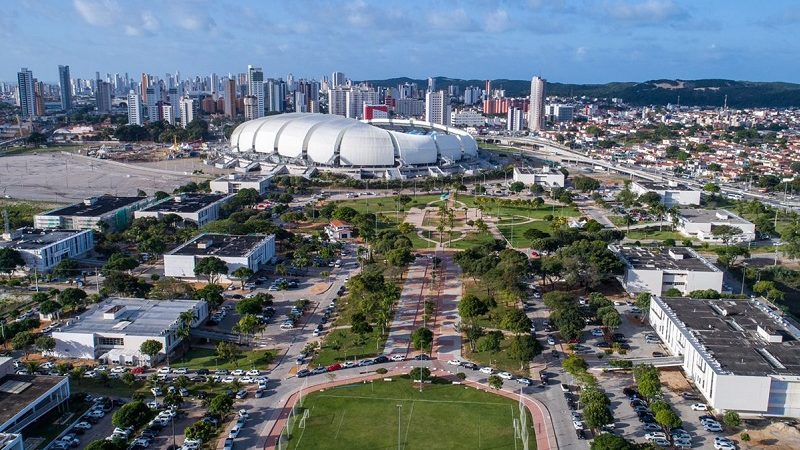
<point>745,437</point>
<point>461,376</point>
<point>381,370</point>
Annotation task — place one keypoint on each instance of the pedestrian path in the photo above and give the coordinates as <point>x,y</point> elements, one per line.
<point>446,331</point>
<point>409,307</point>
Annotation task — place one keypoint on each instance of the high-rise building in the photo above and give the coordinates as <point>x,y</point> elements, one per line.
<point>102,97</point>
<point>437,108</point>
<point>276,95</point>
<point>355,99</point>
<point>38,92</point>
<point>153,94</point>
<point>26,95</point>
<point>250,105</point>
<point>255,88</point>
<point>515,119</point>
<point>143,87</point>
<point>230,97</point>
<point>174,99</point>
<point>536,113</point>
<point>134,108</point>
<point>337,80</point>
<point>187,110</point>
<point>337,101</point>
<point>409,107</point>
<point>431,84</point>
<point>167,112</point>
<point>66,88</point>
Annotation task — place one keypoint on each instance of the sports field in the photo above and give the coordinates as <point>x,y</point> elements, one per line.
<point>443,416</point>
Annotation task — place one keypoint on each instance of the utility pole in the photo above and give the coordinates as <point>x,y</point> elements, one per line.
<point>399,408</point>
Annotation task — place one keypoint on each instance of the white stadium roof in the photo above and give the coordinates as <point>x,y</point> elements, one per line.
<point>330,140</point>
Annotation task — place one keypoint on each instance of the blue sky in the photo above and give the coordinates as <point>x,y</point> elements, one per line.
<point>581,41</point>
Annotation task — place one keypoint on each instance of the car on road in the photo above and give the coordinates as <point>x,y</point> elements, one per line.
<point>525,381</point>
<point>577,424</point>
<point>597,332</point>
<point>119,369</point>
<point>234,433</point>
<point>422,357</point>
<point>366,362</point>
<point>505,375</point>
<point>156,391</point>
<point>303,373</point>
<point>655,435</point>
<point>237,372</point>
<point>241,394</point>
<point>454,362</point>
<point>564,387</point>
<point>228,445</point>
<point>164,370</point>
<point>181,371</point>
<point>551,340</point>
<point>246,380</point>
<point>253,373</point>
<point>398,357</point>
<point>580,434</point>
<point>228,380</point>
<point>381,359</point>
<point>699,407</point>
<point>660,442</point>
<point>333,367</point>
<point>83,426</point>
<point>689,395</point>
<point>487,370</point>
<point>220,372</point>
<point>259,393</point>
<point>651,427</point>
<point>724,446</point>
<point>469,365</point>
<point>318,370</point>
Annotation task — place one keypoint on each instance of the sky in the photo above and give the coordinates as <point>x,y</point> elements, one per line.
<point>570,41</point>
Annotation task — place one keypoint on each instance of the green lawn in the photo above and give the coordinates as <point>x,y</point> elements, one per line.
<point>519,231</point>
<point>472,239</point>
<point>498,210</point>
<point>206,358</point>
<point>386,205</point>
<point>111,387</point>
<point>341,345</point>
<point>442,416</point>
<point>653,233</point>
<point>500,360</point>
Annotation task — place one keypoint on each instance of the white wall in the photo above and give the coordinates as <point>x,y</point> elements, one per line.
<point>636,281</point>
<point>74,345</point>
<point>741,393</point>
<point>180,266</point>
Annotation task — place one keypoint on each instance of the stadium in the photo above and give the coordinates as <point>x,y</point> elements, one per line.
<point>324,140</point>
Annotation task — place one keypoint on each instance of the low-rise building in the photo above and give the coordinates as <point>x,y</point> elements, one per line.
<point>233,183</point>
<point>543,176</point>
<point>742,355</point>
<point>251,251</point>
<point>44,249</point>
<point>701,224</point>
<point>26,398</point>
<point>658,269</point>
<point>339,229</point>
<point>671,193</point>
<point>93,213</point>
<point>198,208</point>
<point>113,330</point>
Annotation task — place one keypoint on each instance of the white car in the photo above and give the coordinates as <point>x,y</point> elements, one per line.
<point>699,407</point>
<point>246,380</point>
<point>660,442</point>
<point>83,425</point>
<point>156,391</point>
<point>181,371</point>
<point>397,357</point>
<point>237,372</point>
<point>597,332</point>
<point>487,370</point>
<point>164,370</point>
<point>712,427</point>
<point>655,435</point>
<point>253,373</point>
<point>119,369</point>
<point>551,341</point>
<point>505,375</point>
<point>228,380</point>
<point>724,446</point>
<point>235,431</point>
<point>577,424</point>
<point>454,362</point>
<point>244,413</point>
<point>722,440</point>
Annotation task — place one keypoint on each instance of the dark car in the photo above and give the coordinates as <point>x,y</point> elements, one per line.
<point>554,354</point>
<point>602,344</point>
<point>581,434</point>
<point>572,405</point>
<point>422,357</point>
<point>469,365</point>
<point>202,394</point>
<point>618,336</point>
<point>381,359</point>
<point>303,373</point>
<point>658,355</point>
<point>202,371</point>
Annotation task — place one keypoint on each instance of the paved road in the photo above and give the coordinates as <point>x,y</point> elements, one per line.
<point>410,307</point>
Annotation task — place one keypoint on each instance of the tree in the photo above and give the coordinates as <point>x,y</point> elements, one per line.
<point>405,228</point>
<point>495,381</point>
<point>22,340</point>
<point>490,342</point>
<point>574,364</point>
<point>212,267</point>
<point>585,184</point>
<point>120,262</point>
<point>71,297</point>
<point>168,288</point>
<point>64,269</point>
<point>422,338</point>
<point>359,324</point>
<point>610,441</point>
<point>643,301</point>
<point>133,414</point>
<point>125,284</point>
<point>220,405</point>
<point>151,347</point>
<point>248,325</point>
<point>212,294</point>
<point>673,292</point>
<point>524,348</point>
<point>725,232</point>
<point>420,373</point>
<point>647,380</point>
<point>569,322</point>
<point>10,259</point>
<point>50,307</point>
<point>200,430</point>
<point>731,419</point>
<point>649,198</point>
<point>114,444</point>
<point>173,399</point>
<point>252,305</point>
<point>727,255</point>
<point>228,351</point>
<point>516,186</point>
<point>668,419</point>
<point>516,321</point>
<point>45,344</point>
<point>596,415</point>
<point>128,378</point>
<point>611,319</point>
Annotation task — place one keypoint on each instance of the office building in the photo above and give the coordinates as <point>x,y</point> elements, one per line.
<point>337,80</point>
<point>197,208</point>
<point>24,399</point>
<point>356,98</point>
<point>409,107</point>
<point>276,96</point>
<point>536,114</point>
<point>431,84</point>
<point>134,109</point>
<point>102,97</point>
<point>375,112</point>
<point>188,108</point>
<point>337,102</point>
<point>657,270</point>
<point>251,251</point>
<point>113,330</point>
<point>515,121</point>
<point>560,113</point>
<point>230,97</point>
<point>95,213</point>
<point>26,94</point>
<point>44,249</point>
<point>437,107</point>
<point>702,224</point>
<point>742,355</point>
<point>543,176</point>
<point>250,105</point>
<point>233,183</point>
<point>255,88</point>
<point>174,99</point>
<point>66,88</point>
<point>153,99</point>
<point>671,193</point>
<point>467,118</point>
<point>143,85</point>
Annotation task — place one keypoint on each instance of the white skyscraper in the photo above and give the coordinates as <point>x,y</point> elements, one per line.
<point>536,114</point>
<point>337,102</point>
<point>26,96</point>
<point>514,121</point>
<point>134,109</point>
<point>437,108</point>
<point>337,79</point>
<point>255,88</point>
<point>187,111</point>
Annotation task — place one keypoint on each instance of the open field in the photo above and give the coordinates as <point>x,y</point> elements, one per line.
<point>498,210</point>
<point>206,358</point>
<point>62,178</point>
<point>442,416</point>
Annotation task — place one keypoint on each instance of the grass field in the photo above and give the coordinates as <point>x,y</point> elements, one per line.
<point>653,233</point>
<point>498,210</point>
<point>442,416</point>
<point>198,358</point>
<point>341,345</point>
<point>519,230</point>
<point>472,239</point>
<point>499,360</point>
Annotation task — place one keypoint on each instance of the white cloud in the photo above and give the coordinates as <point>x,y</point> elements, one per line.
<point>580,53</point>
<point>456,20</point>
<point>648,11</point>
<point>150,22</point>
<point>99,12</point>
<point>132,31</point>
<point>497,21</point>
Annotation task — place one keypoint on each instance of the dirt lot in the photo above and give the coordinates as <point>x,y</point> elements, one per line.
<point>771,436</point>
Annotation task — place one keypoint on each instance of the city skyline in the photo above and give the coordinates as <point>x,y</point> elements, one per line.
<point>567,41</point>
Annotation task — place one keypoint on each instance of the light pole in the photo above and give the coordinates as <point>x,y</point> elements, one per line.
<point>399,408</point>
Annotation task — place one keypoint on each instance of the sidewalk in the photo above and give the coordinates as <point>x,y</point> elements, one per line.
<point>409,308</point>
<point>447,340</point>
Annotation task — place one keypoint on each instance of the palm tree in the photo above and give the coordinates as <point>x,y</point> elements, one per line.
<point>628,221</point>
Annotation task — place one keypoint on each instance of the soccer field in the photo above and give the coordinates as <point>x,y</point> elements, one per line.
<point>443,416</point>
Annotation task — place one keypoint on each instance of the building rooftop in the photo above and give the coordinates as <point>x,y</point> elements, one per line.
<point>660,186</point>
<point>663,258</point>
<point>185,203</point>
<point>94,207</point>
<point>527,170</point>
<point>19,391</point>
<point>244,177</point>
<point>220,245</point>
<point>745,337</point>
<point>34,238</point>
<point>130,316</point>
<point>716,216</point>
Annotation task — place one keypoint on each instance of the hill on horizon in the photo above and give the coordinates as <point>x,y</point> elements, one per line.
<point>707,92</point>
